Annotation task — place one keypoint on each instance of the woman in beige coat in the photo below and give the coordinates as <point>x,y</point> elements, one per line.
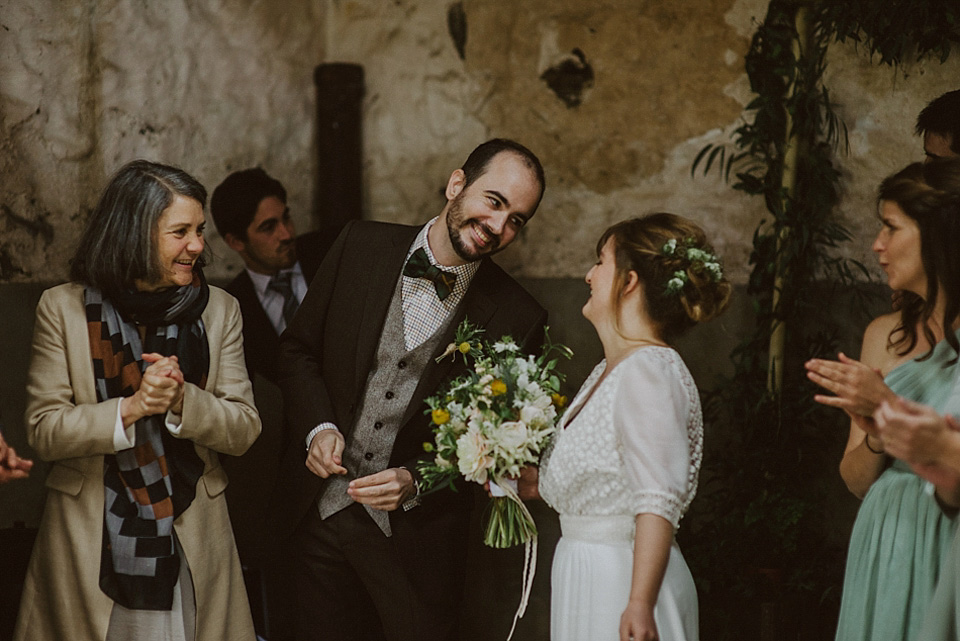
<point>136,381</point>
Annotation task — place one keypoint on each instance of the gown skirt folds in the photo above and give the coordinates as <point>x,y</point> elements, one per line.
<point>630,443</point>
<point>901,535</point>
<point>592,572</point>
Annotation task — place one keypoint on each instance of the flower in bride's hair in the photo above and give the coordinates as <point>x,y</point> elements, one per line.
<point>715,271</point>
<point>670,247</point>
<point>675,284</point>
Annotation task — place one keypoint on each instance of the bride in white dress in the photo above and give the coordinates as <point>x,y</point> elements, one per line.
<point>624,465</point>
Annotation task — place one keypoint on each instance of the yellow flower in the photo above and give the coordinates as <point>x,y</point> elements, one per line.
<point>427,446</point>
<point>440,416</point>
<point>464,347</point>
<point>498,387</point>
<point>558,399</point>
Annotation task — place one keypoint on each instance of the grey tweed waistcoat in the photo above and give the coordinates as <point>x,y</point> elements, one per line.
<point>390,387</point>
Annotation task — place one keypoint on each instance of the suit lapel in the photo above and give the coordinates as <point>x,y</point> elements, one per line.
<point>388,256</point>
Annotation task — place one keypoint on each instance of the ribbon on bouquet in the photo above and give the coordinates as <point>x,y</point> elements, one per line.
<point>506,488</point>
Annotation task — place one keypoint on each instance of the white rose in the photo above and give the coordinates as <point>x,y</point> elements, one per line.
<point>473,460</point>
<point>532,415</point>
<point>512,435</point>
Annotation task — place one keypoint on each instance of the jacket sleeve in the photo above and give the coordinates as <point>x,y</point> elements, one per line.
<point>57,426</point>
<point>306,399</point>
<point>223,416</point>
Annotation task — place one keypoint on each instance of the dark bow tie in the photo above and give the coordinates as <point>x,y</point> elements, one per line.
<point>419,266</point>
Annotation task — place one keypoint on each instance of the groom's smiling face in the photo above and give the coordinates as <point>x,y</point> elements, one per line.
<point>486,216</point>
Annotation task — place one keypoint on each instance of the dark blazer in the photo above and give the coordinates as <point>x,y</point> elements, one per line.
<point>325,359</point>
<point>261,343</point>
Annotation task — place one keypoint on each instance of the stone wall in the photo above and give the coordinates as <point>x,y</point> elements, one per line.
<point>85,86</point>
<point>617,97</point>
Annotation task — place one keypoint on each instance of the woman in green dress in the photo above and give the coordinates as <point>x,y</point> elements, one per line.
<point>901,534</point>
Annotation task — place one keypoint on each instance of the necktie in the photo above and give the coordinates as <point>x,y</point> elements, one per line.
<point>281,284</point>
<point>419,267</point>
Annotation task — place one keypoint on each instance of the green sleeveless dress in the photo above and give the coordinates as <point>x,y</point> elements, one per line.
<point>901,535</point>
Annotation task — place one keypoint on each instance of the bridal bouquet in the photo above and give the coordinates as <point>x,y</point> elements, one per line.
<point>492,421</point>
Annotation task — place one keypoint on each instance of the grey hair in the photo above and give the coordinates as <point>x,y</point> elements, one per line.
<point>118,246</point>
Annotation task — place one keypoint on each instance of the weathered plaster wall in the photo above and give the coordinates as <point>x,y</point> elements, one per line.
<point>659,81</point>
<point>208,85</point>
<point>617,97</point>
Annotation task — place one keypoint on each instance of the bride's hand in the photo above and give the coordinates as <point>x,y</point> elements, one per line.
<point>637,623</point>
<point>528,483</point>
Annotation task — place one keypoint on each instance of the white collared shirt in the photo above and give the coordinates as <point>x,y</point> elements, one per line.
<point>423,311</point>
<point>272,301</point>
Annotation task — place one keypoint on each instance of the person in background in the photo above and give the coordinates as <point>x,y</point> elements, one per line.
<point>136,382</point>
<point>939,124</point>
<point>250,211</point>
<point>900,535</point>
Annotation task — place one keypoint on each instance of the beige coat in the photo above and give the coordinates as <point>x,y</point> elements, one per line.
<point>66,425</point>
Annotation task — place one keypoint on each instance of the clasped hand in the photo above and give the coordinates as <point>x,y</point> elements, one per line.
<point>161,389</point>
<point>386,490</point>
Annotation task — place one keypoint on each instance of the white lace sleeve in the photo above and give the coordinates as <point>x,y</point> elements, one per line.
<point>651,412</point>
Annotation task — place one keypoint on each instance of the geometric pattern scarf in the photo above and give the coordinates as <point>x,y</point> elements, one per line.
<point>152,483</point>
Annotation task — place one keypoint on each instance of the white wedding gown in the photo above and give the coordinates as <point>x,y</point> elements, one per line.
<point>632,447</point>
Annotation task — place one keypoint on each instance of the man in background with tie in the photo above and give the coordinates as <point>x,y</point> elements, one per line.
<point>355,366</point>
<point>250,211</point>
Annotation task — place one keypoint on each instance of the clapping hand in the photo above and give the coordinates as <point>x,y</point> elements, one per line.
<point>12,466</point>
<point>918,435</point>
<point>858,388</point>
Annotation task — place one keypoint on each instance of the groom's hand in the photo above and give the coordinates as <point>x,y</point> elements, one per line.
<point>326,450</point>
<point>386,490</point>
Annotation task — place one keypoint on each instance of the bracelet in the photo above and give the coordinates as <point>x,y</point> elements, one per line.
<point>867,442</point>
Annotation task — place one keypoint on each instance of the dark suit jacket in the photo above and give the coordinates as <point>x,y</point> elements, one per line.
<point>325,359</point>
<point>261,343</point>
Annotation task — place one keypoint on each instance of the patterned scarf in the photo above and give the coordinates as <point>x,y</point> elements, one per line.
<point>149,485</point>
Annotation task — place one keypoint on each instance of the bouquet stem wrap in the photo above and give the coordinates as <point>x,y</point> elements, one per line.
<point>511,523</point>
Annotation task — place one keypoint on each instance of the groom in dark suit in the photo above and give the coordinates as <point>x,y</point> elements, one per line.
<point>374,560</point>
<point>250,211</point>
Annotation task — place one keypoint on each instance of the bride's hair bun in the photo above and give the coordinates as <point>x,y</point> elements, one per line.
<point>682,278</point>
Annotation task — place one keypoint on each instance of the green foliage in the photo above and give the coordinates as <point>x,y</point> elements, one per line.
<point>770,459</point>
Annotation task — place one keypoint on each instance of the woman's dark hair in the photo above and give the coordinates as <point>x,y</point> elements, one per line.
<point>929,193</point>
<point>118,247</point>
<point>639,246</point>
